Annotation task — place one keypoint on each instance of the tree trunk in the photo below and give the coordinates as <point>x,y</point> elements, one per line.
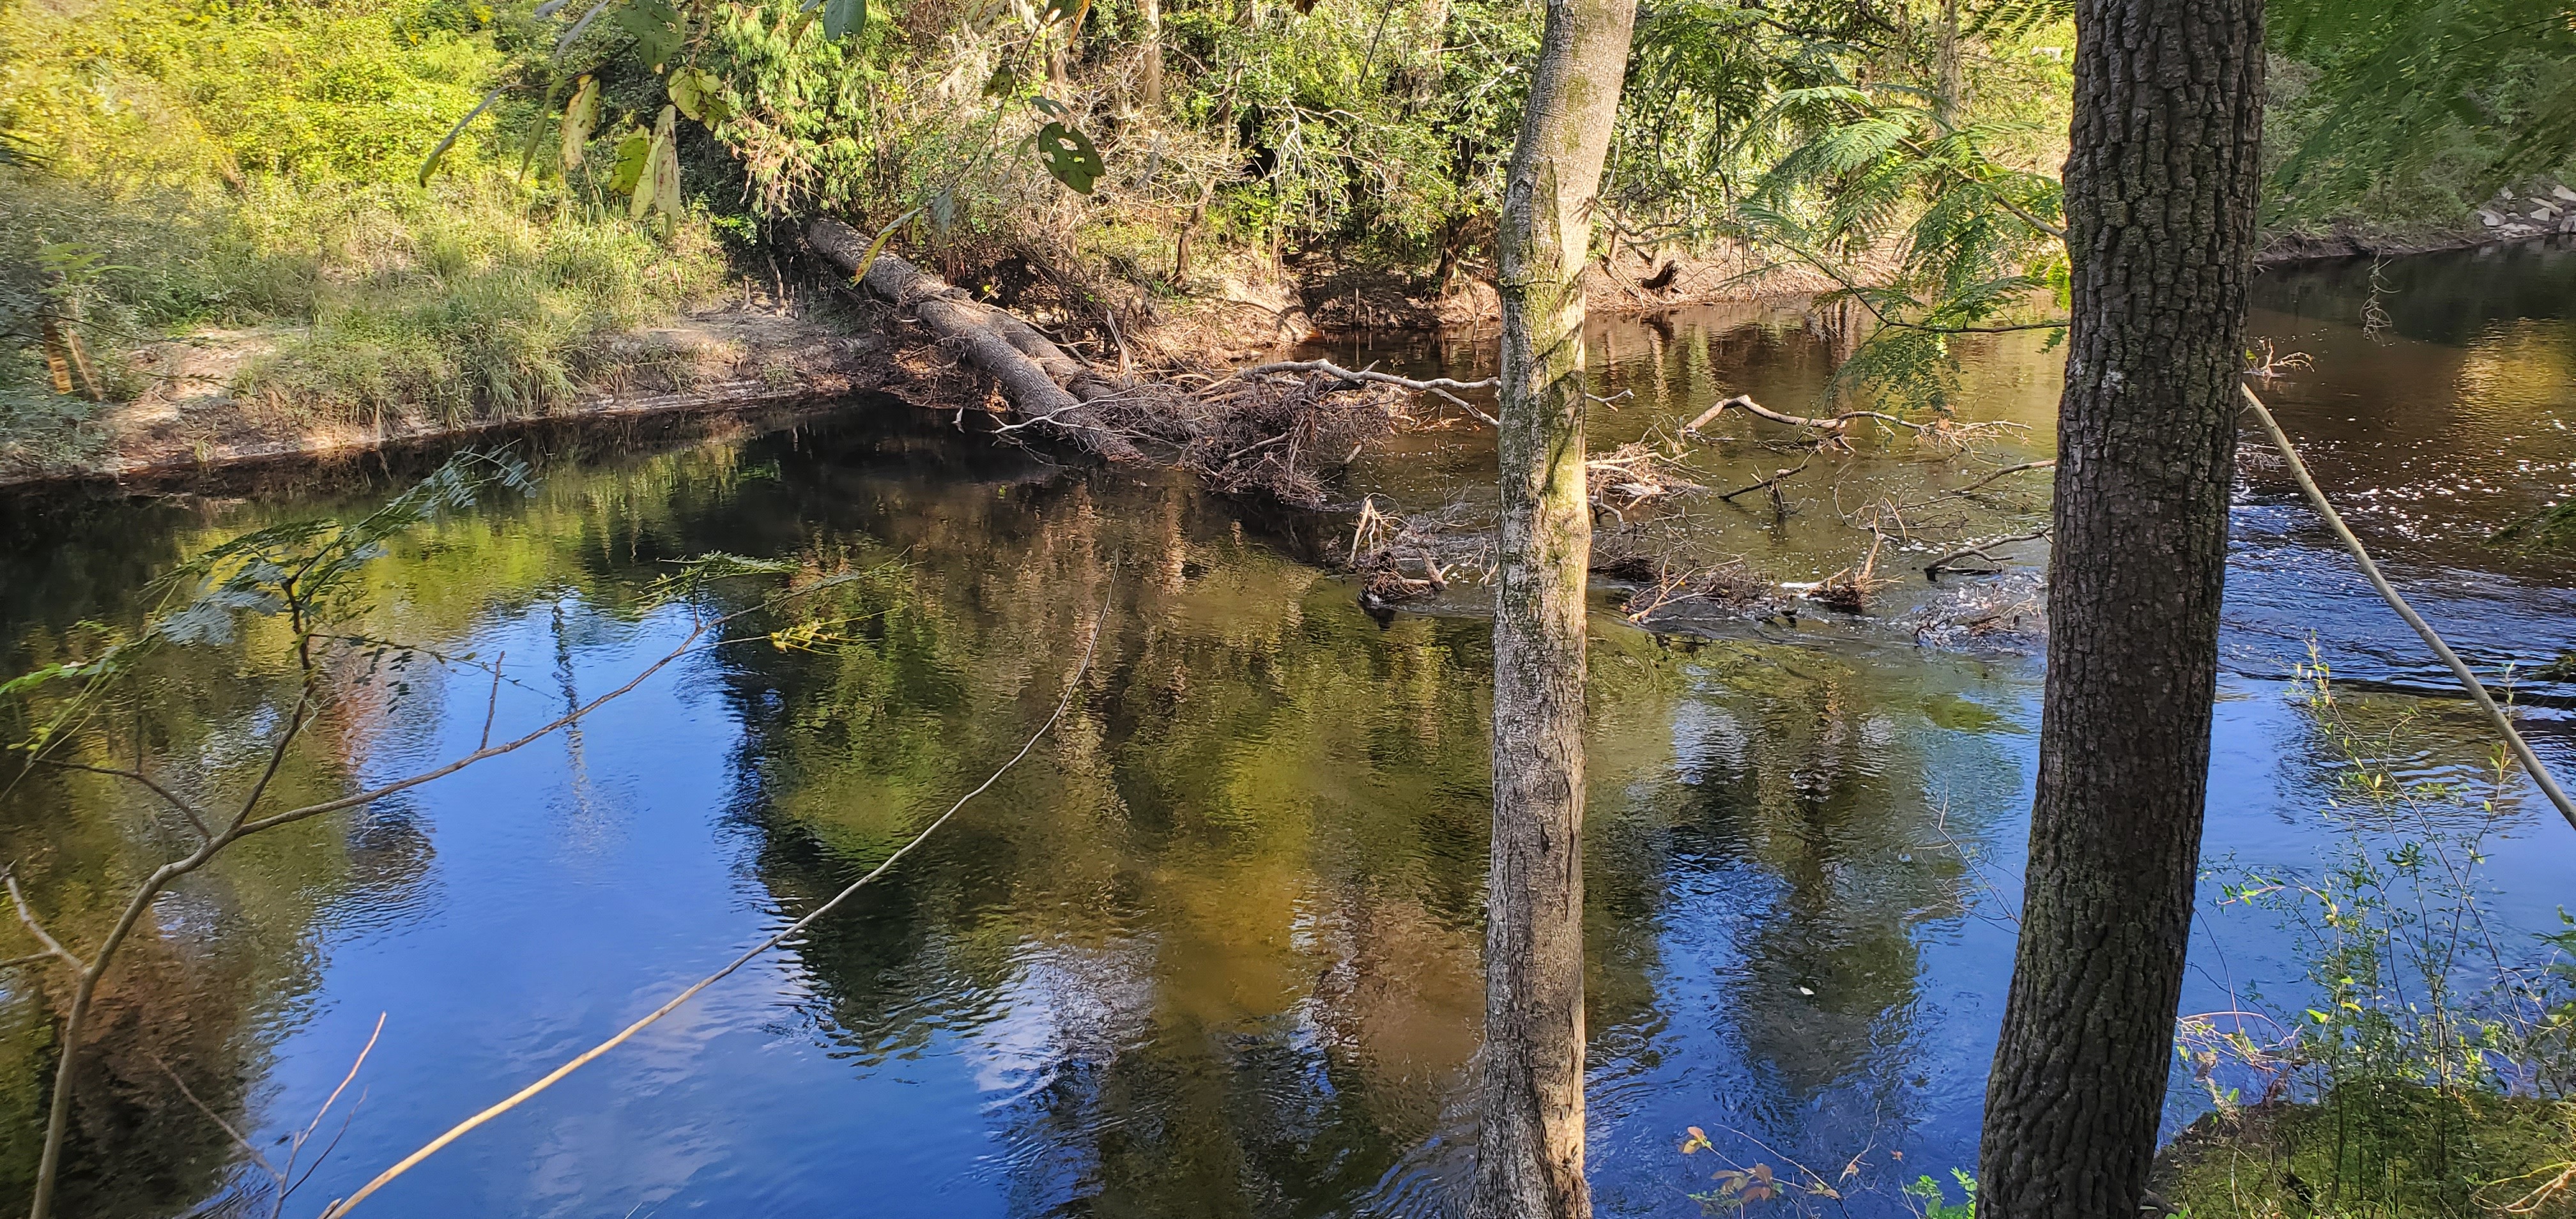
<point>1950,83</point>
<point>1152,12</point>
<point>2160,194</point>
<point>1045,384</point>
<point>1529,1149</point>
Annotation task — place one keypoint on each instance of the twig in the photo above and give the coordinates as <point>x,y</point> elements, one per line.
<point>1436,385</point>
<point>1771,483</point>
<point>185,809</point>
<point>2531,763</point>
<point>2049,464</point>
<point>1977,550</point>
<point>492,703</point>
<point>18,898</point>
<point>1072,688</point>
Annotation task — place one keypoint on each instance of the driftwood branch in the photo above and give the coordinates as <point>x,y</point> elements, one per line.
<point>1039,379</point>
<point>2049,464</point>
<point>1833,425</point>
<point>1977,550</point>
<point>1440,386</point>
<point>1771,484</point>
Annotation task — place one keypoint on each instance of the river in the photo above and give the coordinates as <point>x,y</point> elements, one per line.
<point>1214,950</point>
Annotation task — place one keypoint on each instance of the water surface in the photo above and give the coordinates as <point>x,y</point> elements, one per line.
<point>1213,951</point>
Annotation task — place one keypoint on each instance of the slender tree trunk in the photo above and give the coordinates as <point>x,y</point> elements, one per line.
<point>1950,83</point>
<point>2160,194</point>
<point>1529,1150</point>
<point>1152,12</point>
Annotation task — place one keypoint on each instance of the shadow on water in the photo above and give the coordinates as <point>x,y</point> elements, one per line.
<point>1215,953</point>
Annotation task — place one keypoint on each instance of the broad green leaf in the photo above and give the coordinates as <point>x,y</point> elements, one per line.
<point>581,117</point>
<point>844,18</point>
<point>1005,82</point>
<point>699,95</point>
<point>1070,156</point>
<point>655,26</point>
<point>659,185</point>
<point>666,185</point>
<point>631,152</point>
<point>685,91</point>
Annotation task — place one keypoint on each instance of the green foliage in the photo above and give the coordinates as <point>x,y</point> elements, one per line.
<point>254,167</point>
<point>1821,138</point>
<point>306,572</point>
<point>2427,1066</point>
<point>2401,110</point>
<point>1933,1201</point>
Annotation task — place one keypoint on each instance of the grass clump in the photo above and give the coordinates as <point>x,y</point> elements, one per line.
<point>174,169</point>
<point>462,303</point>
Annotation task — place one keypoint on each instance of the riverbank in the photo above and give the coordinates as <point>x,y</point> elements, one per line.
<point>200,410</point>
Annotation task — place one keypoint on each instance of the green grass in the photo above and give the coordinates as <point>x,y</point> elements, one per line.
<point>204,168</point>
<point>2389,1150</point>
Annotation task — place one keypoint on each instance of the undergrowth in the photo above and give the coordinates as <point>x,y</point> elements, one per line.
<point>2426,1063</point>
<point>189,169</point>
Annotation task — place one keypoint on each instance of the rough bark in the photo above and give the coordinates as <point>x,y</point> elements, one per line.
<point>1529,1148</point>
<point>1039,379</point>
<point>2160,192</point>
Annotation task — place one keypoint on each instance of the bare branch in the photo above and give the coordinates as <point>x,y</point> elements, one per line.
<point>374,794</point>
<point>491,704</point>
<point>2049,464</point>
<point>185,809</point>
<point>218,1120</point>
<point>1440,386</point>
<point>1977,550</point>
<point>26,915</point>
<point>2503,723</point>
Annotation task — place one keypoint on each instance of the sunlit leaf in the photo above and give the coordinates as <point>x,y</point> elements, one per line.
<point>1070,156</point>
<point>631,153</point>
<point>580,118</point>
<point>655,26</point>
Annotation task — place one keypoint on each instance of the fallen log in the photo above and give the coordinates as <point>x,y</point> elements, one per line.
<point>1046,386</point>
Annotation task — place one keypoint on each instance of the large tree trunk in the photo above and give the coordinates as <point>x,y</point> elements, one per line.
<point>1046,385</point>
<point>2160,195</point>
<point>1529,1150</point>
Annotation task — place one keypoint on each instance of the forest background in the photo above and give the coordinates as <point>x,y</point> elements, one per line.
<point>292,179</point>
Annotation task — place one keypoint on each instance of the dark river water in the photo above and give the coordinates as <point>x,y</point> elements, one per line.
<point>1213,951</point>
